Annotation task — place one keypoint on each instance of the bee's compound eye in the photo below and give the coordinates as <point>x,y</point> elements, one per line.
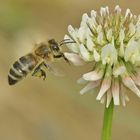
<point>55,47</point>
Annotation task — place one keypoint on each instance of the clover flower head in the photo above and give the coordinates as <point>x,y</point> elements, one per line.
<point>111,42</point>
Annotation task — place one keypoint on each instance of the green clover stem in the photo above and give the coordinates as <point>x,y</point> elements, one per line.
<point>107,122</point>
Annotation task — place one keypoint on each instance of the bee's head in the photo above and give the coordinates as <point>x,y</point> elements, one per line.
<point>54,46</point>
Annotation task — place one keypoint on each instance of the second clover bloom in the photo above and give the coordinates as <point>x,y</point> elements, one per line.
<point>112,42</point>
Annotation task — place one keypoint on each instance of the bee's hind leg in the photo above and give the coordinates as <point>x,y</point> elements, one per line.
<point>39,72</point>
<point>43,74</point>
<point>37,69</point>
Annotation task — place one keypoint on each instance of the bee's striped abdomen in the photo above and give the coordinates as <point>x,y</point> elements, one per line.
<point>21,68</point>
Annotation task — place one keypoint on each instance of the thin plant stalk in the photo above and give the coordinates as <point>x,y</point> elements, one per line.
<point>107,122</point>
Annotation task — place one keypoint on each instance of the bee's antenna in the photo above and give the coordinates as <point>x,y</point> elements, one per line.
<point>66,41</point>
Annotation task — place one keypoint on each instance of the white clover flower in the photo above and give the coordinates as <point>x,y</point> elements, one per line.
<point>112,42</point>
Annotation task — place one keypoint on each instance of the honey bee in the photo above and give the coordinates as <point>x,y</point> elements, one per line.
<point>38,61</point>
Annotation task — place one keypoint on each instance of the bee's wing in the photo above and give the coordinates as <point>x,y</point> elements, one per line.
<point>42,69</point>
<point>55,70</point>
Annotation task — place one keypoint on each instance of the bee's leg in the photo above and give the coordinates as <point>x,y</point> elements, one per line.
<point>46,65</point>
<point>61,55</point>
<point>65,58</point>
<point>39,69</point>
<point>43,74</point>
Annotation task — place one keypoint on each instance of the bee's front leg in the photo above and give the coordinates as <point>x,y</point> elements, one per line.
<point>61,55</point>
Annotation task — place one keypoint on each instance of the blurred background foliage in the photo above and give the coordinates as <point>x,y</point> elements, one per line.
<point>54,109</point>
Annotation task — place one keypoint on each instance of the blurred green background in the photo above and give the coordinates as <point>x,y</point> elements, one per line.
<point>54,109</point>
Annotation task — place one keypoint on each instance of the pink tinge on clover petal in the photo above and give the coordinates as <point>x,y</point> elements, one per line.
<point>89,86</point>
<point>93,75</point>
<point>109,98</point>
<point>136,79</point>
<point>115,91</point>
<point>129,83</point>
<point>104,87</point>
<point>123,95</point>
<point>74,58</point>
